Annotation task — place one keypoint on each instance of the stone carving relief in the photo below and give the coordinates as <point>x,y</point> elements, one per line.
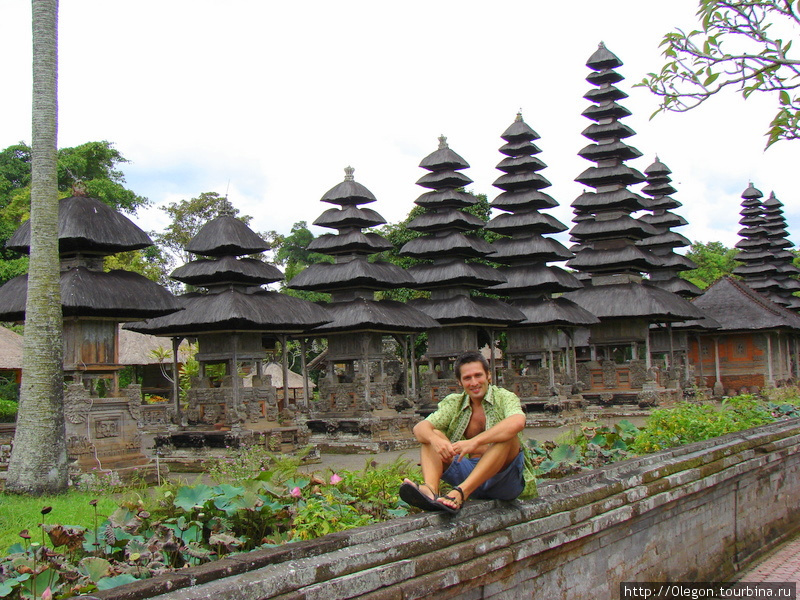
<point>76,403</point>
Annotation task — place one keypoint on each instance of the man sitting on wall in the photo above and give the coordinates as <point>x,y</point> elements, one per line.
<point>473,441</point>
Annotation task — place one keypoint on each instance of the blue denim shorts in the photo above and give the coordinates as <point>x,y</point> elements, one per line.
<point>506,485</point>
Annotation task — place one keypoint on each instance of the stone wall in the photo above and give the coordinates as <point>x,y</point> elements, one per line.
<point>696,513</point>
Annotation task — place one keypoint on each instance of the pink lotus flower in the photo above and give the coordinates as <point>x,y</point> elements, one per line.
<point>296,493</point>
<point>47,594</point>
<point>335,479</point>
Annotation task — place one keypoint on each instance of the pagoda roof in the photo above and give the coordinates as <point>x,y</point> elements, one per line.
<point>606,131</point>
<point>614,259</point>
<point>384,316</point>
<point>226,236</point>
<point>737,307</point>
<point>444,179</point>
<point>449,244</point>
<point>664,219</point>
<point>521,181</point>
<point>536,279</point>
<point>227,269</point>
<point>615,150</point>
<point>618,174</point>
<point>445,219</point>
<point>669,239</point>
<point>469,310</point>
<point>604,76</point>
<point>621,227</point>
<point>519,199</point>
<point>87,226</point>
<point>453,273</point>
<point>623,199</point>
<point>633,300</point>
<point>519,148</point>
<point>446,198</point>
<point>607,110</point>
<point>357,273</point>
<point>350,242</point>
<point>529,249</point>
<point>527,222</point>
<point>349,192</point>
<point>116,295</point>
<point>443,159</point>
<point>553,312</point>
<point>602,59</point>
<point>677,285</point>
<point>605,94</point>
<point>522,162</point>
<point>519,130</point>
<point>349,216</point>
<point>233,310</point>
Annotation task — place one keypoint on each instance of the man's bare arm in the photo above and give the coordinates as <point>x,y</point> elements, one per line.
<point>501,432</point>
<point>426,433</point>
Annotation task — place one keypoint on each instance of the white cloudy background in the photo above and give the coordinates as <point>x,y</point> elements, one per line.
<point>269,101</point>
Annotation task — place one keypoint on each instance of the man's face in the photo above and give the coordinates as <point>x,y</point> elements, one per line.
<point>475,380</point>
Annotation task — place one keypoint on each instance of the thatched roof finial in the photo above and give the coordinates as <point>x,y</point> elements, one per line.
<point>518,119</point>
<point>79,189</point>
<point>226,208</point>
<point>443,142</point>
<point>348,173</point>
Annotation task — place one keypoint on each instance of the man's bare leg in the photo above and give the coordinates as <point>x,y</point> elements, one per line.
<point>432,469</point>
<point>499,456</point>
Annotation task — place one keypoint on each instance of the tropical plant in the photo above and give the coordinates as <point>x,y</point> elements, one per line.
<point>176,525</point>
<point>741,44</point>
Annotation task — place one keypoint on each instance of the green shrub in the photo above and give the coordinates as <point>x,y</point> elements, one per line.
<point>8,411</point>
<point>173,526</point>
<point>9,389</point>
<point>687,422</point>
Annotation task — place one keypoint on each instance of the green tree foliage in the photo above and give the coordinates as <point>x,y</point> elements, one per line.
<point>294,256</point>
<point>150,262</point>
<point>742,45</point>
<point>713,259</point>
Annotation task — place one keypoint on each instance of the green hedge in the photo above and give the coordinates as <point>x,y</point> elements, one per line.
<point>8,411</point>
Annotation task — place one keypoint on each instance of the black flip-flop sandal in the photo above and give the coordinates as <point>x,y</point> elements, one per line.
<point>411,494</point>
<point>450,509</point>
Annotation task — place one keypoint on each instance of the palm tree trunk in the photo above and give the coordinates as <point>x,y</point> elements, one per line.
<point>38,462</point>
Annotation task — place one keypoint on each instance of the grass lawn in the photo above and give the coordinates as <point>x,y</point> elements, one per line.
<point>23,512</point>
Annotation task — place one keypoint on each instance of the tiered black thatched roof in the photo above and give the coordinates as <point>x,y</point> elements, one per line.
<point>782,258</point>
<point>353,279</point>
<point>755,251</point>
<point>236,309</point>
<point>605,232</point>
<point>88,226</point>
<point>530,281</point>
<point>604,229</point>
<point>663,244</point>
<point>449,275</point>
<point>233,301</point>
<point>737,307</point>
<point>89,230</point>
<point>118,295</point>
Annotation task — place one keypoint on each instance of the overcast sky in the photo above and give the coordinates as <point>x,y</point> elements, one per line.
<point>269,101</point>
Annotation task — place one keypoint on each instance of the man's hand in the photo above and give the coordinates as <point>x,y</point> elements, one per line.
<point>469,447</point>
<point>443,448</point>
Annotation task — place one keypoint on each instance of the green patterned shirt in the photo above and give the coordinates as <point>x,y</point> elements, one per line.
<point>454,412</point>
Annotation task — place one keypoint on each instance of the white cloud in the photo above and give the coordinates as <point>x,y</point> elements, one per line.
<point>270,101</point>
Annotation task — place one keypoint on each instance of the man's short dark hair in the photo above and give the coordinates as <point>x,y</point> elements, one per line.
<point>470,357</point>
